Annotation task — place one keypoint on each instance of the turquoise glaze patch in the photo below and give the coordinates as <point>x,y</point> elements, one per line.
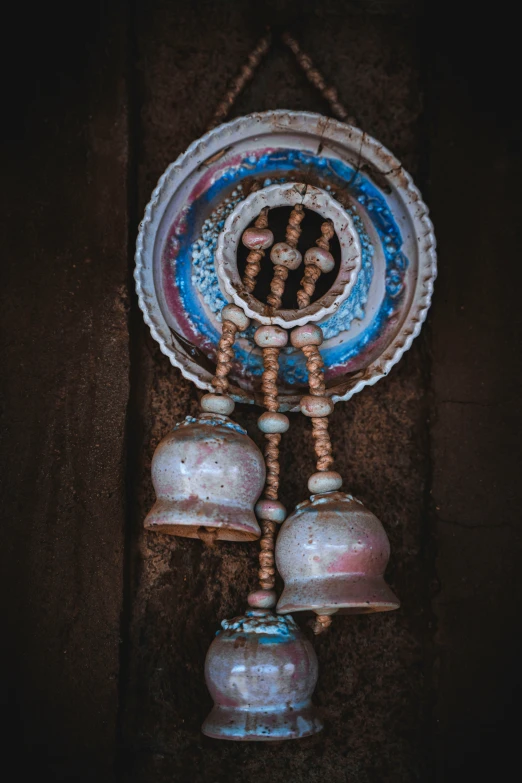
<point>212,420</point>
<point>271,628</point>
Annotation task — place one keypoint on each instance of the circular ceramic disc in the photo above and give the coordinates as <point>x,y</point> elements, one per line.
<point>176,279</point>
<point>288,194</point>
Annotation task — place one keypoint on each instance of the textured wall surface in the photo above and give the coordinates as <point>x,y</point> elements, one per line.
<point>65,388</point>
<point>108,626</point>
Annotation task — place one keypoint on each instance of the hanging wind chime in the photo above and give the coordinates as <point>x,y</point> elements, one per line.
<point>334,317</point>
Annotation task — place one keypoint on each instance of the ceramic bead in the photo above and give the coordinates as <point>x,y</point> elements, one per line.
<point>261,672</point>
<point>316,407</point>
<point>284,254</point>
<point>232,312</point>
<point>324,481</point>
<point>309,334</point>
<point>270,423</point>
<point>217,403</point>
<point>271,510</point>
<point>271,337</point>
<point>320,258</point>
<point>262,599</point>
<point>257,238</point>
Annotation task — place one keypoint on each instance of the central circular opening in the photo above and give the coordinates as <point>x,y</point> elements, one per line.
<point>310,232</point>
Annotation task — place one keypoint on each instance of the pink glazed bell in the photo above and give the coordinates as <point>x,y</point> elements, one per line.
<point>207,474</point>
<point>332,553</point>
<point>261,672</point>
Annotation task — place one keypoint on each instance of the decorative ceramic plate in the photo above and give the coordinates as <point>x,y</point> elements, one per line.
<point>178,287</point>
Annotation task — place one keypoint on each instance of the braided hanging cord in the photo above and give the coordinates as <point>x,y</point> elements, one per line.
<point>255,256</point>
<point>269,388</point>
<point>225,356</point>
<point>322,442</point>
<point>293,232</point>
<point>238,84</point>
<point>313,271</point>
<point>314,76</point>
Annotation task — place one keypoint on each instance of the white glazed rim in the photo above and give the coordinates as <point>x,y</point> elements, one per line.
<point>327,129</point>
<point>287,195</point>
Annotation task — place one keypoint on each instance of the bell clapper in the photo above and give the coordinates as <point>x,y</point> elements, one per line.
<point>322,621</point>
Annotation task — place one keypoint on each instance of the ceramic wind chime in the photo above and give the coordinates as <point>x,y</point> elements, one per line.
<point>251,315</point>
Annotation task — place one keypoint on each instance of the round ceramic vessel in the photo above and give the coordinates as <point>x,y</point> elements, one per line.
<point>288,195</point>
<point>207,473</point>
<point>332,553</point>
<point>261,672</point>
<point>176,276</point>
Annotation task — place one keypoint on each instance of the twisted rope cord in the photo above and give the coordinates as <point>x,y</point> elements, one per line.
<point>322,442</point>
<point>241,80</point>
<point>253,262</point>
<point>315,77</point>
<point>312,272</point>
<point>224,357</point>
<point>293,229</point>
<point>293,232</point>
<point>269,387</point>
<point>321,623</point>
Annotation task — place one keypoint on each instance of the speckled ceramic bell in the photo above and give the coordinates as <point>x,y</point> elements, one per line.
<point>332,553</point>
<point>261,672</point>
<point>207,474</point>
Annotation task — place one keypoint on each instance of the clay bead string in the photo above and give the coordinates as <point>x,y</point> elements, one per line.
<point>248,70</point>
<point>316,78</point>
<point>269,388</point>
<point>285,256</point>
<point>272,423</point>
<point>257,239</point>
<point>322,442</point>
<point>321,623</point>
<point>241,80</point>
<point>225,355</point>
<point>318,407</point>
<point>317,260</point>
<point>233,320</point>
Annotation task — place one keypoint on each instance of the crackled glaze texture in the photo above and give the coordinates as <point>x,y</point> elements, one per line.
<point>278,195</point>
<point>175,271</point>
<point>261,672</point>
<point>332,553</point>
<point>207,473</point>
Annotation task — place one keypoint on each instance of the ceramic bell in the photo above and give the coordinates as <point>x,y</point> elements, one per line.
<point>332,553</point>
<point>261,672</point>
<point>207,474</point>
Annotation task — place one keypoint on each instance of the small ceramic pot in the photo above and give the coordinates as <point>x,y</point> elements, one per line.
<point>207,473</point>
<point>261,672</point>
<point>332,553</point>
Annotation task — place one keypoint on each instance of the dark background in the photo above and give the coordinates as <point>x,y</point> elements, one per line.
<point>105,628</point>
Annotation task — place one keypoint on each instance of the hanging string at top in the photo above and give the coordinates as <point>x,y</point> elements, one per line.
<point>248,70</point>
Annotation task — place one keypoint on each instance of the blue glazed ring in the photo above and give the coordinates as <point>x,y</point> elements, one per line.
<point>175,274</point>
